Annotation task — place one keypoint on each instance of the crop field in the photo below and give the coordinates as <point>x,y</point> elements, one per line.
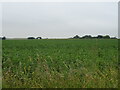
<point>60,63</point>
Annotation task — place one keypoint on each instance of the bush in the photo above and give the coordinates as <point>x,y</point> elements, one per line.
<point>31,38</point>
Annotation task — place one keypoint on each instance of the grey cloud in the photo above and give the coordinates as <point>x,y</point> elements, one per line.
<point>59,19</point>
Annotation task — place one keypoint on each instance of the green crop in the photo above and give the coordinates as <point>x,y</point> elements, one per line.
<point>67,63</point>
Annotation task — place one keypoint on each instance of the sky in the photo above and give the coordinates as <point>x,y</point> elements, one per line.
<point>59,19</point>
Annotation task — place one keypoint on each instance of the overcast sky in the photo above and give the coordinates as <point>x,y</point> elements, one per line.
<point>59,20</point>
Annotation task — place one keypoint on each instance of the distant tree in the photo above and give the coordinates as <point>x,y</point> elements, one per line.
<point>106,37</point>
<point>113,38</point>
<point>76,37</point>
<point>87,37</point>
<point>39,38</point>
<point>99,37</point>
<point>30,38</point>
<point>4,38</point>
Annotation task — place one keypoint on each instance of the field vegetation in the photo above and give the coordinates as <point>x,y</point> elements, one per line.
<point>63,63</point>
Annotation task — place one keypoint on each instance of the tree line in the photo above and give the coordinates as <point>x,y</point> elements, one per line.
<point>75,37</point>
<point>95,37</point>
<point>34,38</point>
<point>4,38</point>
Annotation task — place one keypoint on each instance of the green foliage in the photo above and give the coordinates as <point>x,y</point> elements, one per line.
<point>76,37</point>
<point>60,63</point>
